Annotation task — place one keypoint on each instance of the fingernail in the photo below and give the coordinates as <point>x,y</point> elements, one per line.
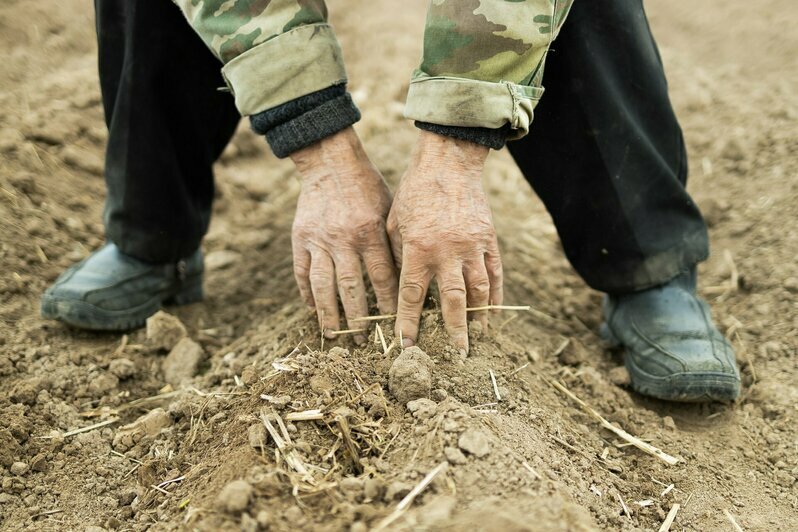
<point>407,342</point>
<point>463,354</point>
<point>360,339</point>
<point>328,334</point>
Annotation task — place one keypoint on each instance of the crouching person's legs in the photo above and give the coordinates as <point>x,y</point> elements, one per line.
<point>167,124</point>
<point>606,155</point>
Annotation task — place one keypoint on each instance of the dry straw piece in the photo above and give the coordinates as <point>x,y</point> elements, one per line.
<point>733,521</point>
<point>410,497</point>
<point>666,525</point>
<point>469,309</point>
<point>637,442</point>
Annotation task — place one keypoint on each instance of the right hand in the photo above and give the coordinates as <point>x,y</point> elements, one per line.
<point>340,219</point>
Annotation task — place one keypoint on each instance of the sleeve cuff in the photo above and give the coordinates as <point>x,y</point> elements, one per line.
<point>296,63</point>
<point>461,102</point>
<point>306,120</point>
<point>492,138</point>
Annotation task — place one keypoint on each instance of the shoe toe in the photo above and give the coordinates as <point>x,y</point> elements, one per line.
<point>681,367</point>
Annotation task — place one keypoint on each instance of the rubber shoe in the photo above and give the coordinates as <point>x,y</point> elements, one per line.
<point>111,291</point>
<point>673,351</point>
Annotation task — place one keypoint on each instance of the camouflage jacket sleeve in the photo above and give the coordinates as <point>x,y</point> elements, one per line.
<point>273,51</point>
<point>482,64</point>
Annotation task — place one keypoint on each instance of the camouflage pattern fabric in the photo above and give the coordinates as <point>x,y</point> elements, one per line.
<point>482,63</point>
<point>273,50</point>
<point>231,27</point>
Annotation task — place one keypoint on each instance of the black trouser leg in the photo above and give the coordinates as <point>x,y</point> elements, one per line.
<point>167,124</point>
<point>606,154</point>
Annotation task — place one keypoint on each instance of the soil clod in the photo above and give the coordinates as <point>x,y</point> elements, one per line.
<point>410,376</point>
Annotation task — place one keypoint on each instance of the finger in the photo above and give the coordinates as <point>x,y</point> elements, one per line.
<point>302,275</point>
<point>352,291</point>
<point>322,283</point>
<point>493,264</point>
<point>452,289</point>
<point>380,267</point>
<point>477,285</point>
<point>413,283</point>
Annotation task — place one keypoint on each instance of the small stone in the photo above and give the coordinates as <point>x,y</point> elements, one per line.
<point>249,376</point>
<point>474,441</point>
<point>358,526</point>
<point>219,260</point>
<point>235,496</point>
<point>454,456</point>
<point>182,362</point>
<point>39,463</point>
<point>422,408</point>
<point>619,376</point>
<point>410,375</point>
<point>257,436</point>
<point>127,498</point>
<point>18,468</point>
<point>164,330</point>
<point>439,394</point>
<point>668,423</point>
<point>123,368</point>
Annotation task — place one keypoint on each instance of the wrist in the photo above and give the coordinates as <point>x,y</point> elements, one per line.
<point>341,150</point>
<point>435,152</point>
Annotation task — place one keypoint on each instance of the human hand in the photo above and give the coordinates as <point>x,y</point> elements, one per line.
<point>340,219</point>
<point>440,226</point>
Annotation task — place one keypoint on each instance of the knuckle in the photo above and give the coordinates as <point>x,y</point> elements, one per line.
<point>480,288</point>
<point>381,272</point>
<point>348,283</point>
<point>454,297</point>
<point>412,292</point>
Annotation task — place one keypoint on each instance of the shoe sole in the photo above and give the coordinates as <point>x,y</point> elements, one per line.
<point>679,387</point>
<point>87,316</point>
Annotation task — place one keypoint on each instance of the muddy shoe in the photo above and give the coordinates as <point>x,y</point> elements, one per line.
<point>673,350</point>
<point>111,291</point>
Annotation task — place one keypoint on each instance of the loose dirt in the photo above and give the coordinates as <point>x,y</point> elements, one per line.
<point>257,424</point>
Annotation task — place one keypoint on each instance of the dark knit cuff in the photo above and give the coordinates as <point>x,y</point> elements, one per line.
<point>492,138</point>
<point>306,120</point>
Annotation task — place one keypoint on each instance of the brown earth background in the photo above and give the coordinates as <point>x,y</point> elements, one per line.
<point>534,460</point>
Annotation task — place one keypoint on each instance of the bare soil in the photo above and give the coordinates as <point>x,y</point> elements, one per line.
<point>532,460</point>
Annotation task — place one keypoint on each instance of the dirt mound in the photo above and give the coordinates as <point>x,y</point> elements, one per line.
<point>242,417</point>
